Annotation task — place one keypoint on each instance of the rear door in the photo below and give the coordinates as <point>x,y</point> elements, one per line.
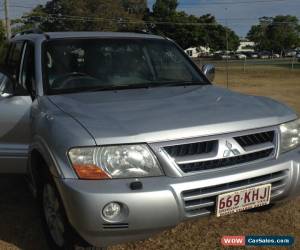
<point>15,110</point>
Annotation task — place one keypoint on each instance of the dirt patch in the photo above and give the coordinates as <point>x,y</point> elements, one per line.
<point>20,226</point>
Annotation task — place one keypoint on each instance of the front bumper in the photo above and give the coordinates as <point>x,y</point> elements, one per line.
<point>163,202</point>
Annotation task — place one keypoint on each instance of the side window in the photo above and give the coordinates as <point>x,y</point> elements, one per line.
<point>2,82</point>
<point>27,76</point>
<point>4,53</point>
<point>14,59</point>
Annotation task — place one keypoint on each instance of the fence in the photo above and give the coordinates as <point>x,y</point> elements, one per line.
<point>277,78</point>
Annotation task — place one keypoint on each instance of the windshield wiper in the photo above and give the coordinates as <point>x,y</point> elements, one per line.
<point>174,83</point>
<point>126,86</point>
<point>119,87</point>
<point>100,88</point>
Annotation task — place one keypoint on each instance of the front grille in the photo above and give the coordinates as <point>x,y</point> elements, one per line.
<point>224,162</point>
<point>222,151</point>
<point>257,138</point>
<point>201,201</point>
<point>191,149</point>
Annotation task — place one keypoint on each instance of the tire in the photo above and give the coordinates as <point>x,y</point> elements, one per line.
<point>59,233</point>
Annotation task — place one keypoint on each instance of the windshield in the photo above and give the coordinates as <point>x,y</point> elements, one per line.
<point>99,64</point>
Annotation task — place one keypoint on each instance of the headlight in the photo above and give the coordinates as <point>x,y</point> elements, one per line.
<point>124,161</point>
<point>289,136</point>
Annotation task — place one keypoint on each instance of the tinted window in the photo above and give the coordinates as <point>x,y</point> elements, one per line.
<point>4,53</point>
<point>168,63</point>
<point>95,64</point>
<point>14,59</point>
<point>27,78</point>
<point>2,82</point>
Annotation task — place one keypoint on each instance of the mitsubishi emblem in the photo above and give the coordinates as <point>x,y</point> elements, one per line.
<point>230,151</point>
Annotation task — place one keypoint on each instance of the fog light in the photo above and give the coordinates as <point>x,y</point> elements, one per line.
<point>111,210</point>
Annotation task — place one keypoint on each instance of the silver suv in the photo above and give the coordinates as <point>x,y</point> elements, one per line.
<point>121,136</point>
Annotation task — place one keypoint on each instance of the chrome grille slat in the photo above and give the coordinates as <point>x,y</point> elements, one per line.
<point>196,148</point>
<point>252,142</point>
<point>201,201</point>
<point>195,158</point>
<point>276,194</point>
<point>224,151</point>
<point>200,165</point>
<point>278,186</point>
<point>200,212</point>
<point>200,205</point>
<point>234,186</point>
<point>259,147</point>
<point>262,137</point>
<point>256,138</point>
<point>243,140</point>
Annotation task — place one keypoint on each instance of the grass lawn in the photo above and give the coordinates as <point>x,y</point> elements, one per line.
<point>280,83</point>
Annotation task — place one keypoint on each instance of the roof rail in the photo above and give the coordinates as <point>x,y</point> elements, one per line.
<point>143,31</point>
<point>151,28</point>
<point>31,31</point>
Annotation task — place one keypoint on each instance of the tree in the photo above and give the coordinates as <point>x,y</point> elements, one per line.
<point>137,7</point>
<point>30,21</point>
<point>164,8</point>
<point>130,15</point>
<point>88,15</point>
<point>3,43</point>
<point>189,30</point>
<point>2,33</point>
<point>276,34</point>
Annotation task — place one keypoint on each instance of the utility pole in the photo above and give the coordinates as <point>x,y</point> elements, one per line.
<point>7,20</point>
<point>227,50</point>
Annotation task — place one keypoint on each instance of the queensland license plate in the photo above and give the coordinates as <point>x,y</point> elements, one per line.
<point>244,199</point>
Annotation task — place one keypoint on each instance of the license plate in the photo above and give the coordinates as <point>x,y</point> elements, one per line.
<point>244,199</point>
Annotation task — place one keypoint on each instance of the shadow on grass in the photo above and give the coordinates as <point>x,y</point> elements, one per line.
<point>20,225</point>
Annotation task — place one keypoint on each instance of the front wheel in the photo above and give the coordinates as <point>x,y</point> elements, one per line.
<point>60,234</point>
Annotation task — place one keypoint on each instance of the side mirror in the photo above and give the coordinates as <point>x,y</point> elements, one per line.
<point>6,86</point>
<point>209,71</point>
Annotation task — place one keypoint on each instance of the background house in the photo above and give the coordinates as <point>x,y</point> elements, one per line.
<point>246,46</point>
<point>197,51</point>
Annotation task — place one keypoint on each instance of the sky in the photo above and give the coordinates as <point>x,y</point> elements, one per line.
<point>239,15</point>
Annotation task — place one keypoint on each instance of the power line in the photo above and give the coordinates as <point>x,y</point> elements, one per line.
<point>22,6</point>
<point>95,18</point>
<point>121,20</point>
<point>233,2</point>
<point>86,18</point>
<point>186,4</point>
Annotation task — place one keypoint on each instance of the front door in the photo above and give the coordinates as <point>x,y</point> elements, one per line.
<point>15,112</point>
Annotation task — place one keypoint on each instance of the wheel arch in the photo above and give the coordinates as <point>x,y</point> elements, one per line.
<point>38,162</point>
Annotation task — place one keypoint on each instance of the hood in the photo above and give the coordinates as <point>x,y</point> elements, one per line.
<point>168,113</point>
